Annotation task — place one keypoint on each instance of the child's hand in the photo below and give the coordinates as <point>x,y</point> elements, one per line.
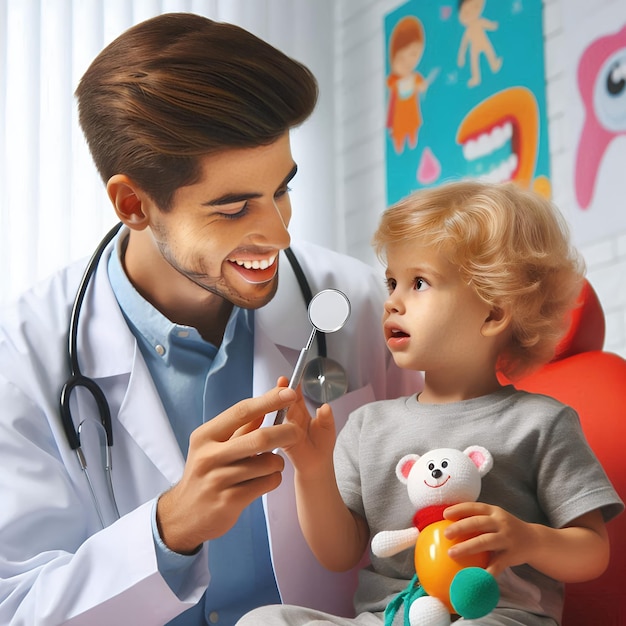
<point>483,527</point>
<point>313,450</point>
<point>576,552</point>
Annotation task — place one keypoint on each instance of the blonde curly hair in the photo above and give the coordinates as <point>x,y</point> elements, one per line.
<point>512,245</point>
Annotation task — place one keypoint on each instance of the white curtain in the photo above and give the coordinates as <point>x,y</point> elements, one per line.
<point>53,207</point>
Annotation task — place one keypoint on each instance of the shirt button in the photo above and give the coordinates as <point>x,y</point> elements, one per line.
<point>183,333</point>
<point>214,617</point>
<point>160,350</point>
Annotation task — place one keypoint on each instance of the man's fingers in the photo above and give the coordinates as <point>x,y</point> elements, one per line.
<point>223,426</point>
<point>260,441</point>
<point>243,471</point>
<point>249,427</point>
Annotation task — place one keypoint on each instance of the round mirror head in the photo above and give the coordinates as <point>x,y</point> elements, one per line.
<point>329,310</point>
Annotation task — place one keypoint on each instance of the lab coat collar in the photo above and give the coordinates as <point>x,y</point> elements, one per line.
<point>284,319</point>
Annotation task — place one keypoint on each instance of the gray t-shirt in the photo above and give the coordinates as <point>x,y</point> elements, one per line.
<point>544,472</point>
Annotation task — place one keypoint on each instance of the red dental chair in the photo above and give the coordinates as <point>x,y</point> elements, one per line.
<point>593,382</point>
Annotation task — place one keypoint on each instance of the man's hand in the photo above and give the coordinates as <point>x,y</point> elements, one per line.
<point>230,464</point>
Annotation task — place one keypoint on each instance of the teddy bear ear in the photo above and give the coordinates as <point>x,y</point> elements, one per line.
<point>404,467</point>
<point>481,457</point>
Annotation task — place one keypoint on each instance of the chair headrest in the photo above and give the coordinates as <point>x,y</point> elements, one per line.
<point>587,327</point>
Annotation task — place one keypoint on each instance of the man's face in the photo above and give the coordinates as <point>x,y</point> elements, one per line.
<point>224,232</point>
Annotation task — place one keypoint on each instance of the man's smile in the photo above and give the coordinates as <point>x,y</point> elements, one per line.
<point>256,271</point>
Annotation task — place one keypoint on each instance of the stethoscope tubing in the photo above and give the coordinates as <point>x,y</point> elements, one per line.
<point>76,378</point>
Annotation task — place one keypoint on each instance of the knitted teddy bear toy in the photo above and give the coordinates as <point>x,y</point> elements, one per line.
<point>434,481</point>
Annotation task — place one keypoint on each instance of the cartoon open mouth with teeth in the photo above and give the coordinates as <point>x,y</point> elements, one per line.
<point>499,138</point>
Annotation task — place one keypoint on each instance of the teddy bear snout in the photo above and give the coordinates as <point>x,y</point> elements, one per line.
<point>436,473</point>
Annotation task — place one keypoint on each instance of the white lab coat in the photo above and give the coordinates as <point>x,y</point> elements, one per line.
<point>57,566</point>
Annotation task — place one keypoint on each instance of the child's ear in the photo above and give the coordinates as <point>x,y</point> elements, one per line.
<point>498,321</point>
<point>128,200</point>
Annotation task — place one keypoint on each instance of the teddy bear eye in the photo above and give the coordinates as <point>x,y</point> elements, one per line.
<point>444,464</point>
<point>431,466</point>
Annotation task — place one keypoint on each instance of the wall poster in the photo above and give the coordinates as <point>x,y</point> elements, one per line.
<point>465,94</point>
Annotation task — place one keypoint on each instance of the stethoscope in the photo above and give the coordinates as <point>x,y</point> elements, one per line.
<point>323,379</point>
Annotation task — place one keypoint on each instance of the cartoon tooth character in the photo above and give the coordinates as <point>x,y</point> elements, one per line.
<point>434,481</point>
<point>602,85</point>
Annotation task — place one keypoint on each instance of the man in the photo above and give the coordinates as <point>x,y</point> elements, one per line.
<point>185,326</point>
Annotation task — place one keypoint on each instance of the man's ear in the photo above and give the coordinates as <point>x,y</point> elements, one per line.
<point>129,201</point>
<point>498,320</point>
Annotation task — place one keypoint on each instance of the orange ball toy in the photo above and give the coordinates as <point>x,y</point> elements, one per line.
<point>434,567</point>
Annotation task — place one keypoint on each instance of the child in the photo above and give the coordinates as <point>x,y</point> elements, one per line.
<point>481,278</point>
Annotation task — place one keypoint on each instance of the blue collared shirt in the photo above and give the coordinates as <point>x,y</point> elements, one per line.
<point>196,381</point>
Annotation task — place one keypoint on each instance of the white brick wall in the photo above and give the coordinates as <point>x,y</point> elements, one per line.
<point>359,146</point>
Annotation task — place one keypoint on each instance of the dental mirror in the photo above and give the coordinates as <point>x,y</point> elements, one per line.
<point>323,379</point>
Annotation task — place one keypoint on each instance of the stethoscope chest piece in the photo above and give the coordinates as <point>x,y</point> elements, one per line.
<point>324,380</point>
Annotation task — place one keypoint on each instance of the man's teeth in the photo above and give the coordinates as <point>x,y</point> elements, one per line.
<point>263,264</point>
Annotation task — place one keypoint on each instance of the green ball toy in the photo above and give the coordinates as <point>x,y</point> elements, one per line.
<point>474,592</point>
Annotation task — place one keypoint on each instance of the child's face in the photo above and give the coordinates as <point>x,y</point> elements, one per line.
<point>432,319</point>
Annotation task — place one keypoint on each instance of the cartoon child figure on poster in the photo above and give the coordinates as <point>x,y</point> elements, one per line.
<point>465,93</point>
<point>475,39</point>
<point>405,84</point>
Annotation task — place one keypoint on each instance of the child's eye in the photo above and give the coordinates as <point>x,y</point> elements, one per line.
<point>391,284</point>
<point>420,284</point>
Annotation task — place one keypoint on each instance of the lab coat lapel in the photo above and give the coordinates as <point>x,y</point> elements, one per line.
<point>109,349</point>
<point>144,418</point>
<point>269,364</point>
<point>279,505</point>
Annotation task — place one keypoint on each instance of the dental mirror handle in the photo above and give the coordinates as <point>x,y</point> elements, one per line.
<point>295,377</point>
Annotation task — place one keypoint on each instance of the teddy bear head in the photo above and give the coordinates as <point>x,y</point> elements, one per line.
<point>444,476</point>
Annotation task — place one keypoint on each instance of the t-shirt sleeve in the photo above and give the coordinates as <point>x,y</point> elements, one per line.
<point>347,464</point>
<point>571,480</point>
